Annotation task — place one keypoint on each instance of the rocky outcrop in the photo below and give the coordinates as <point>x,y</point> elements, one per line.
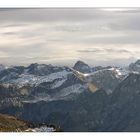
<point>82,67</point>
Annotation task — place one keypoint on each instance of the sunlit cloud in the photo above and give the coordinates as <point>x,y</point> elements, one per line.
<point>119,9</point>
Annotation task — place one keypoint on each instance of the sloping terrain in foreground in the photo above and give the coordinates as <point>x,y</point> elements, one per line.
<point>12,124</point>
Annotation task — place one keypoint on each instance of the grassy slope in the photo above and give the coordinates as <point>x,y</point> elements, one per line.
<point>11,124</point>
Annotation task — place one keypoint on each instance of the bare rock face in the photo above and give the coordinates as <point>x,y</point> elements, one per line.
<point>125,112</point>
<point>82,67</point>
<point>135,66</point>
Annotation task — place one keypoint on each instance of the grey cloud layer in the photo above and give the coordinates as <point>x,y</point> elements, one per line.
<point>66,35</point>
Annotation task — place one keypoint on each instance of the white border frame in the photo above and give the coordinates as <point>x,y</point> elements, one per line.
<point>66,4</point>
<point>69,3</point>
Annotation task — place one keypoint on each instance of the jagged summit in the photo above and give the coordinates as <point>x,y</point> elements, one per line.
<point>137,62</point>
<point>135,66</point>
<point>42,69</point>
<point>82,67</point>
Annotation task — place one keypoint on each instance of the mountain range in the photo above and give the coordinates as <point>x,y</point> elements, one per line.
<point>41,93</point>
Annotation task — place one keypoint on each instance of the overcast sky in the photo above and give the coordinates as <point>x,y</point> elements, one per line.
<point>98,36</point>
